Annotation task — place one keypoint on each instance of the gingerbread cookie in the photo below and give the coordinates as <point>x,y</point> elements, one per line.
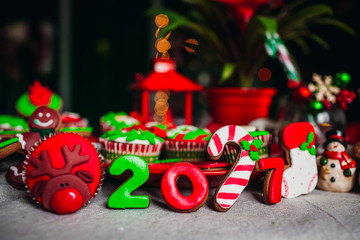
<point>300,175</point>
<point>8,147</point>
<point>63,173</point>
<point>238,177</point>
<point>336,168</point>
<point>15,176</point>
<point>44,120</point>
<point>174,198</point>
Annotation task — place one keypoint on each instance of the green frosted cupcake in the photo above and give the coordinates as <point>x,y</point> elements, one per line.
<point>120,120</point>
<point>135,142</point>
<point>187,142</point>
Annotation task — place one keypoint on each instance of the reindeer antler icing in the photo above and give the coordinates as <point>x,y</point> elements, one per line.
<point>73,158</point>
<point>44,167</point>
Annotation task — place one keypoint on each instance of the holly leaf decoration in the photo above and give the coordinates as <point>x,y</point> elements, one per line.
<point>306,146</point>
<point>245,145</point>
<point>252,148</point>
<point>310,137</point>
<point>303,146</point>
<point>257,143</point>
<point>254,156</point>
<point>312,150</point>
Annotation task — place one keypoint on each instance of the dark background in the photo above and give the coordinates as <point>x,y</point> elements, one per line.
<point>112,40</point>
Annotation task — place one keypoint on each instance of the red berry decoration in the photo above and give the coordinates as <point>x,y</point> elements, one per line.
<point>64,172</point>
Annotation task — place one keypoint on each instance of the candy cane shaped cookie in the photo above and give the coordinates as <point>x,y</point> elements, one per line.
<point>238,177</point>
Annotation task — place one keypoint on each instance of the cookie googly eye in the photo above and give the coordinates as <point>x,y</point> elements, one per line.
<point>48,115</point>
<point>40,114</point>
<point>332,179</point>
<point>333,165</point>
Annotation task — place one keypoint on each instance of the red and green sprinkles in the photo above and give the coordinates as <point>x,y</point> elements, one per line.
<point>189,133</point>
<point>119,120</point>
<point>132,135</point>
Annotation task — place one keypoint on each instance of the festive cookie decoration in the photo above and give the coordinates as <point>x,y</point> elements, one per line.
<point>187,142</point>
<point>122,197</point>
<point>273,178</point>
<point>44,120</point>
<point>15,176</point>
<point>336,168</point>
<point>158,129</point>
<point>38,95</point>
<point>73,120</point>
<point>238,177</point>
<point>135,142</point>
<point>112,121</point>
<point>82,131</point>
<point>300,175</point>
<point>9,126</point>
<point>8,147</point>
<point>63,173</point>
<point>174,198</point>
<point>263,150</point>
<point>189,133</point>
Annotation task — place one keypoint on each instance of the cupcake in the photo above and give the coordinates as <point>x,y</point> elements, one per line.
<point>187,142</point>
<point>73,122</point>
<point>135,142</point>
<point>157,128</point>
<point>37,96</point>
<point>264,151</point>
<point>10,126</point>
<point>120,120</point>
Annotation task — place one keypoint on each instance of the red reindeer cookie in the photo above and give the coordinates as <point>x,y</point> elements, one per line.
<point>63,173</point>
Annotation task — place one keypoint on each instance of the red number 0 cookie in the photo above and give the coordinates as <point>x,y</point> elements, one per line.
<point>238,177</point>
<point>171,193</point>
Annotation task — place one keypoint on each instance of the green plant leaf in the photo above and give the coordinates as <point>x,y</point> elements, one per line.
<point>335,23</point>
<point>302,44</point>
<point>227,72</point>
<point>269,24</point>
<point>306,14</point>
<point>319,40</point>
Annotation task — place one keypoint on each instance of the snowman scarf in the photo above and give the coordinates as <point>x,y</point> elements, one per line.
<point>345,161</point>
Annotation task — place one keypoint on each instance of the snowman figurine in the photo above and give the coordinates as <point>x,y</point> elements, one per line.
<point>336,168</point>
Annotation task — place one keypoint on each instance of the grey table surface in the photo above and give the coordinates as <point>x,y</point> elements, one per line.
<point>319,215</point>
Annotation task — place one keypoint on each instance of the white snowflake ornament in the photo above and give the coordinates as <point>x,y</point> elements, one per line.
<point>323,89</point>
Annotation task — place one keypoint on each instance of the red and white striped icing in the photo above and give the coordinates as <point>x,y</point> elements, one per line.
<point>238,178</point>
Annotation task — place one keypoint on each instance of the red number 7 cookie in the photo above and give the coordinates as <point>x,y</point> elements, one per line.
<point>238,177</point>
<point>300,175</point>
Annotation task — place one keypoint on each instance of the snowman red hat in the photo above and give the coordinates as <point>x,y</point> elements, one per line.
<point>335,135</point>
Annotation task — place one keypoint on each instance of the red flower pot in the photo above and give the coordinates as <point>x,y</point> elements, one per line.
<point>239,106</point>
